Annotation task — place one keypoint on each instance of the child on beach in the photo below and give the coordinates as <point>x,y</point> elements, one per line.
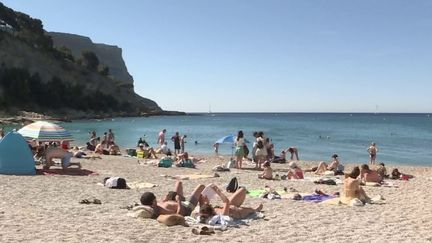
<point>294,171</point>
<point>267,172</point>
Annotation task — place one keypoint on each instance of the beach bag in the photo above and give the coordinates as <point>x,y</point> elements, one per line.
<point>165,162</point>
<point>232,185</point>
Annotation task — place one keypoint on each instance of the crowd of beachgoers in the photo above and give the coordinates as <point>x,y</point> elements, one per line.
<point>224,190</point>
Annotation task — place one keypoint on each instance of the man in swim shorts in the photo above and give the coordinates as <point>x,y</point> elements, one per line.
<point>174,202</point>
<point>372,150</point>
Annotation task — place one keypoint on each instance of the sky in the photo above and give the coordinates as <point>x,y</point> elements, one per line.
<point>262,56</point>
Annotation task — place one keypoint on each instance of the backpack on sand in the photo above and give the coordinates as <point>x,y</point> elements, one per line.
<point>232,185</point>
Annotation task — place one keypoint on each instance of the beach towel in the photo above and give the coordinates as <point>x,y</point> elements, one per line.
<point>227,221</point>
<point>263,193</point>
<point>190,176</point>
<point>316,198</point>
<point>353,201</point>
<point>141,185</point>
<point>69,171</point>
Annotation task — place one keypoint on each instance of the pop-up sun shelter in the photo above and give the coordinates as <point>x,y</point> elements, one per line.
<point>16,157</point>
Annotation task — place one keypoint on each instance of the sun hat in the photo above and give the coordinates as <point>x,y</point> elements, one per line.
<point>292,165</point>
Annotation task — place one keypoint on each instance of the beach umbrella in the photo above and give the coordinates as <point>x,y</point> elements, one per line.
<point>45,131</point>
<point>226,139</point>
<point>231,140</point>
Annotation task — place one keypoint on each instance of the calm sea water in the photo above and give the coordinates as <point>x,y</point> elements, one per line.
<point>401,138</point>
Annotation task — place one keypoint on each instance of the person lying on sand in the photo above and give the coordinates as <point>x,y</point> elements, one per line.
<point>169,206</point>
<point>396,175</point>
<point>59,153</point>
<point>368,175</point>
<point>232,207</point>
<point>281,158</point>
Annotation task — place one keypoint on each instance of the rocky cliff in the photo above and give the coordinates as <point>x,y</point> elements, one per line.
<point>108,55</point>
<point>37,75</point>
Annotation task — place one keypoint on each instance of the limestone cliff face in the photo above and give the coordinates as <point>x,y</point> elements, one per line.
<point>108,55</point>
<point>17,54</point>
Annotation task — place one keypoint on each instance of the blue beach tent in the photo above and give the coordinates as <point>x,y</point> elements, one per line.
<point>16,157</point>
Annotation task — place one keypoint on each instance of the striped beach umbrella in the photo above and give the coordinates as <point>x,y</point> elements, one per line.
<point>45,132</point>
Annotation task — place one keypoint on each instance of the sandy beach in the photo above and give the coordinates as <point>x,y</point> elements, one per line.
<point>45,208</point>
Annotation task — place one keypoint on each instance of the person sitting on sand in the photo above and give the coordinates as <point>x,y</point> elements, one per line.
<point>352,188</point>
<point>322,166</point>
<point>113,149</point>
<point>267,172</point>
<point>382,171</point>
<point>293,151</point>
<point>100,148</point>
<point>59,153</point>
<point>294,171</point>
<point>163,149</point>
<point>232,207</point>
<point>169,206</point>
<point>185,161</point>
<point>368,175</point>
<point>145,152</point>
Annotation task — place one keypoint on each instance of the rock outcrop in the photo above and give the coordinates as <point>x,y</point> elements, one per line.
<point>108,55</point>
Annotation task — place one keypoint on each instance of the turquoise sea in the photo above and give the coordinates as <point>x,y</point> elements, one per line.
<point>401,138</point>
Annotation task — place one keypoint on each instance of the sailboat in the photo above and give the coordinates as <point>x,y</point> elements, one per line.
<point>210,112</point>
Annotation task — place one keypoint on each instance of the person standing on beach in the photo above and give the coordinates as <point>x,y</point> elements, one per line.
<point>372,150</point>
<point>110,136</point>
<point>105,139</point>
<point>161,137</point>
<point>239,151</point>
<point>216,147</point>
<point>182,143</point>
<point>176,140</point>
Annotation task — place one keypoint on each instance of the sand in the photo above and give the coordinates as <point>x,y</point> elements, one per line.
<point>47,209</point>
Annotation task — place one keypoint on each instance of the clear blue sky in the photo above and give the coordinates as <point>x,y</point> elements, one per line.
<point>268,55</point>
